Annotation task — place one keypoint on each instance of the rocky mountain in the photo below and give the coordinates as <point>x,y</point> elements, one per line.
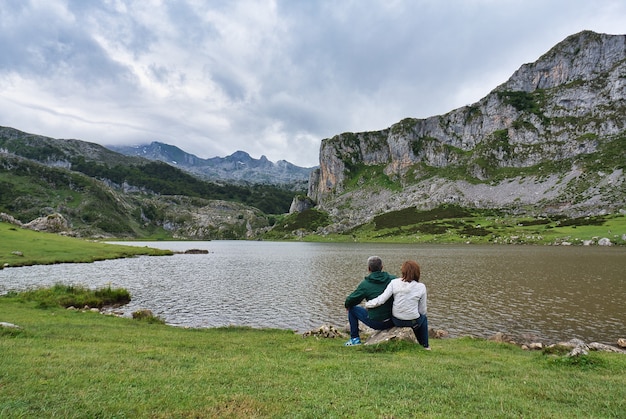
<point>552,139</point>
<point>550,142</point>
<point>139,173</point>
<point>99,192</point>
<point>33,195</point>
<point>238,167</point>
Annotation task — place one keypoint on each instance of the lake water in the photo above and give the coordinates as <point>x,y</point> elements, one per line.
<point>547,293</point>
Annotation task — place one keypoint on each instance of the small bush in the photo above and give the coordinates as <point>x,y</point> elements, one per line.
<point>147,316</point>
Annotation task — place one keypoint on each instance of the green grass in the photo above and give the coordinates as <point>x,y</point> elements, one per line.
<point>453,224</point>
<point>307,220</point>
<point>362,175</point>
<point>66,296</point>
<point>22,247</point>
<point>75,364</point>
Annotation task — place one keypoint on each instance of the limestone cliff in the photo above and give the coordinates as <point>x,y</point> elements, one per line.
<point>552,138</point>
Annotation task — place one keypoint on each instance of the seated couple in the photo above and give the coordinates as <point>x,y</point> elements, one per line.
<point>407,308</point>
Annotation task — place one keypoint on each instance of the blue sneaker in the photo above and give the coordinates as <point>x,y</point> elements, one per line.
<point>353,342</point>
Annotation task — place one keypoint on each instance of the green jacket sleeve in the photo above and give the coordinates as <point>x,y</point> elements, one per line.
<point>355,298</point>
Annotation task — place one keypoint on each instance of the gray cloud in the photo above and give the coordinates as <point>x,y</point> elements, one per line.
<point>272,78</point>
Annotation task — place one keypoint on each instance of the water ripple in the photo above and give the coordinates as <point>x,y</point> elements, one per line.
<point>548,292</point>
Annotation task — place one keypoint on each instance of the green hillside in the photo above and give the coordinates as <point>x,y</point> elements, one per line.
<point>100,192</point>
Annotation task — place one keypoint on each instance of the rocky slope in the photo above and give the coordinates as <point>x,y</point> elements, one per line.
<point>39,197</point>
<point>58,152</point>
<point>550,139</point>
<point>100,193</point>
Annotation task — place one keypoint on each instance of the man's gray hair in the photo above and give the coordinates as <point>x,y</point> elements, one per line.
<point>374,264</point>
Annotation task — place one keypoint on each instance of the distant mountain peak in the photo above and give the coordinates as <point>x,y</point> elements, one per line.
<point>239,166</point>
<point>240,155</point>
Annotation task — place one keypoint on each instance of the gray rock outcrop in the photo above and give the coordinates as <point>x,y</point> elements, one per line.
<point>395,333</point>
<point>53,223</point>
<point>10,219</point>
<point>300,203</point>
<point>544,125</point>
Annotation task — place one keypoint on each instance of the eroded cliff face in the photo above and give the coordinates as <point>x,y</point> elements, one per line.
<point>568,104</point>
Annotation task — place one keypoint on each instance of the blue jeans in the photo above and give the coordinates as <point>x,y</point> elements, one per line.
<point>419,326</point>
<point>357,313</point>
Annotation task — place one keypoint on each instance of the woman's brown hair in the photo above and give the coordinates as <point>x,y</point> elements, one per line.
<point>410,271</point>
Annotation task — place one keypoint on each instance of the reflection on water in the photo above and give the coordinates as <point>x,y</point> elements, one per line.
<point>551,293</point>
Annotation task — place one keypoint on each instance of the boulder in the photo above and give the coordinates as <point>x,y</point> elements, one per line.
<point>578,347</point>
<point>579,350</point>
<point>9,219</point>
<point>572,343</point>
<point>300,204</point>
<point>53,223</point>
<point>605,348</point>
<point>395,333</point>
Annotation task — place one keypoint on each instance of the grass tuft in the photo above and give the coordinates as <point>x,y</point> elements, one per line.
<point>147,316</point>
<point>65,296</point>
<point>579,361</point>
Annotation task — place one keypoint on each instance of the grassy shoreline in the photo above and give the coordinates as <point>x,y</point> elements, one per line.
<point>22,247</point>
<point>73,364</point>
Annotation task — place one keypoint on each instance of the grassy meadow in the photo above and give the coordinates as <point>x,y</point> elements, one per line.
<point>73,364</point>
<point>22,247</point>
<point>452,224</point>
<point>80,364</point>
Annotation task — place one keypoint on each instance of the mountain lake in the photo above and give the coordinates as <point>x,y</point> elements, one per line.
<point>538,293</point>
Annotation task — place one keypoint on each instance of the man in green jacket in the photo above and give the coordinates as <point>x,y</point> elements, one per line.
<point>372,286</point>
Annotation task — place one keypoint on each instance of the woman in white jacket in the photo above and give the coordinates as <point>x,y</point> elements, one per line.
<point>409,302</point>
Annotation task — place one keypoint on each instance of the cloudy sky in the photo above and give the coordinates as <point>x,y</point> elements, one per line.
<point>268,77</point>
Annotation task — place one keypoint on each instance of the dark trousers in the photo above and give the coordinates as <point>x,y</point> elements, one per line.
<point>419,326</point>
<point>357,313</point>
